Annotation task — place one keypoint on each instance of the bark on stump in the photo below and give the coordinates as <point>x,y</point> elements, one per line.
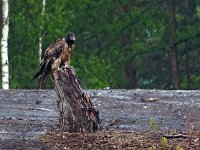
<point>77,113</point>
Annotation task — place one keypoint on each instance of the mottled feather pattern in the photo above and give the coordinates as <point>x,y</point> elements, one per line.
<point>57,54</point>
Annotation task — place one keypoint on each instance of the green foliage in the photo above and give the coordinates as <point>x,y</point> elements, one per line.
<point>179,148</point>
<point>163,143</point>
<point>152,124</point>
<point>120,44</point>
<point>94,71</point>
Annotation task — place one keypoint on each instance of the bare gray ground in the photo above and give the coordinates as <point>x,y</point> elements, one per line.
<point>26,114</point>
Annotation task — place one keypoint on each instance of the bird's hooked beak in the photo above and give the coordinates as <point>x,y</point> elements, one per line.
<point>72,38</point>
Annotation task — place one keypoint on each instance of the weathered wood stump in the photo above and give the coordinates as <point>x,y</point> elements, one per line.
<point>77,113</point>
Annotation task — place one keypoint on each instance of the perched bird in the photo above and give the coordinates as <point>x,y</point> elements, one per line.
<point>56,56</point>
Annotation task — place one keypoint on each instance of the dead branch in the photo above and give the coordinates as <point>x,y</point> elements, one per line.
<point>175,136</point>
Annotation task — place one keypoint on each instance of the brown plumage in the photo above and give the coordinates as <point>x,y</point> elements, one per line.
<point>57,55</point>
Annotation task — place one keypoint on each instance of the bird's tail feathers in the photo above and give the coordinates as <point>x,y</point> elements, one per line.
<point>42,79</point>
<point>44,73</point>
<point>41,70</point>
<point>37,75</point>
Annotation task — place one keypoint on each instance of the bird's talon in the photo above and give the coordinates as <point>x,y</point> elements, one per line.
<point>67,66</point>
<point>60,68</point>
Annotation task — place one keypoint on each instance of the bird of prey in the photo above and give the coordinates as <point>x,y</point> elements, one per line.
<point>56,56</point>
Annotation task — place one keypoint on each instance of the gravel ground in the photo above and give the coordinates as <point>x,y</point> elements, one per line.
<point>25,115</point>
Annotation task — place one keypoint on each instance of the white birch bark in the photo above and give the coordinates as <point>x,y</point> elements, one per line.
<point>41,36</point>
<point>4,45</point>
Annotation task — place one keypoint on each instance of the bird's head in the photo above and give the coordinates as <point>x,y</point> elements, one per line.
<point>70,39</point>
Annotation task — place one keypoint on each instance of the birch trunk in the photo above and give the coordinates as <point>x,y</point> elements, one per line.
<point>41,36</point>
<point>4,45</point>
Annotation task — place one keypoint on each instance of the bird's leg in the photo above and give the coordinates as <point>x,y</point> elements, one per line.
<point>62,67</point>
<point>59,68</point>
<point>66,65</point>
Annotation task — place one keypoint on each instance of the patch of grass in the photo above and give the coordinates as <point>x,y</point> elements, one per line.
<point>179,148</point>
<point>152,124</point>
<point>163,143</point>
<point>150,148</point>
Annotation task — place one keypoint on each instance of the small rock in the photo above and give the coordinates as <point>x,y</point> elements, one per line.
<point>38,102</point>
<point>196,140</point>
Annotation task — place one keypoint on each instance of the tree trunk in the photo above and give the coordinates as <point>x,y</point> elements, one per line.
<point>130,73</point>
<point>41,36</point>
<point>129,69</point>
<point>77,113</point>
<point>4,45</point>
<point>187,62</point>
<point>172,40</point>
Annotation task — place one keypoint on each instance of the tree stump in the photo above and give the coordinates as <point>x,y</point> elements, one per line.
<point>77,113</point>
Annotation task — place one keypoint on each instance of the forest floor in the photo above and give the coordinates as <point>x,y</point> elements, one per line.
<point>131,119</point>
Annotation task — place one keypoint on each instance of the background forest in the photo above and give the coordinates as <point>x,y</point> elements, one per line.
<point>120,43</point>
